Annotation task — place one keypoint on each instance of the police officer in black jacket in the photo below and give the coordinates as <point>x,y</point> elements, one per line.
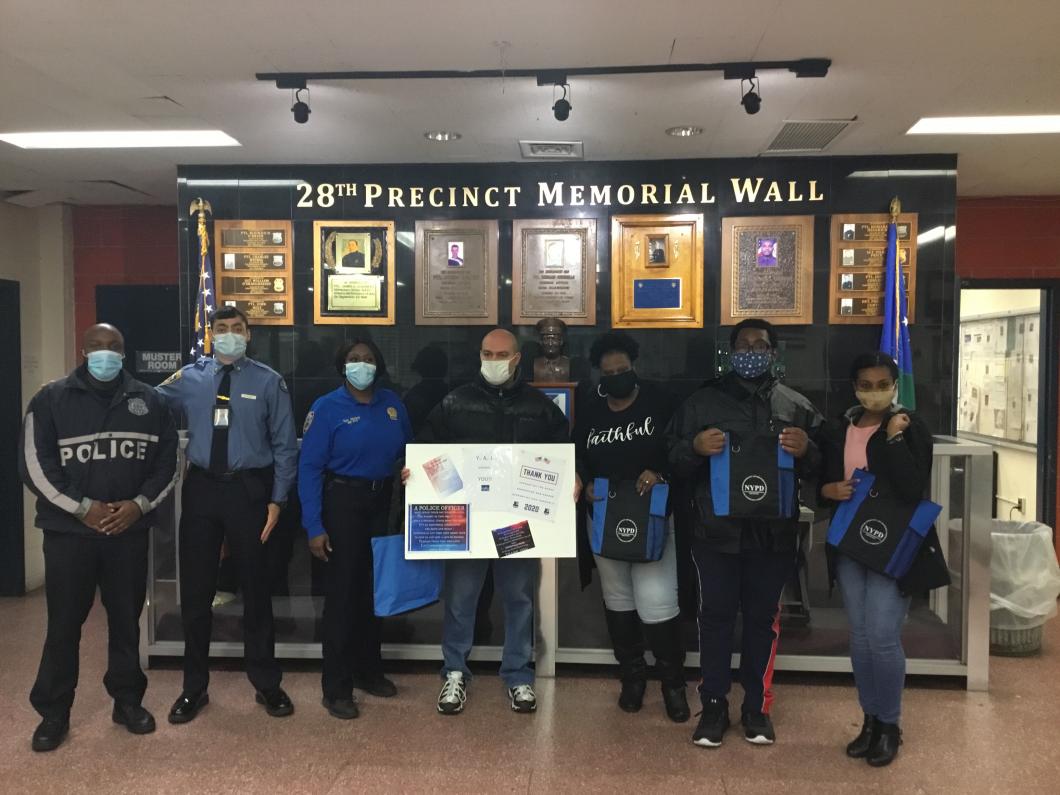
<point>99,450</point>
<point>743,563</point>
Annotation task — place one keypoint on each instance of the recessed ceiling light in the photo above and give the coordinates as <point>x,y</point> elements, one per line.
<point>119,139</point>
<point>985,125</point>
<point>684,132</point>
<point>441,135</point>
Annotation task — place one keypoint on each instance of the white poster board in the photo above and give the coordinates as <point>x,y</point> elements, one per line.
<point>490,501</point>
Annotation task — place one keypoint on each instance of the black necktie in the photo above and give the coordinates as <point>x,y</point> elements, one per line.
<point>219,443</point>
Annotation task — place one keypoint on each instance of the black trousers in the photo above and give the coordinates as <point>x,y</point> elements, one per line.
<point>214,511</point>
<point>749,583</point>
<point>352,514</point>
<point>74,566</point>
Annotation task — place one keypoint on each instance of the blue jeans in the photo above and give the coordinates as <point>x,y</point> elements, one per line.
<point>516,583</point>
<point>876,611</point>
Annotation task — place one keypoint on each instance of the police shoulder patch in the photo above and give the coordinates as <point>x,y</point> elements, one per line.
<point>175,377</point>
<point>308,421</point>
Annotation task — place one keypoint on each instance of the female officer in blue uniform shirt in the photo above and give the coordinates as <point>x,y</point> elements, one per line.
<point>352,442</point>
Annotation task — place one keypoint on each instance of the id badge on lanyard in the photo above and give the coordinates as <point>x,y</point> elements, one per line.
<point>220,415</point>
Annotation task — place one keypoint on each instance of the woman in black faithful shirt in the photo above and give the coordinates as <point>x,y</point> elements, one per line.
<point>619,436</point>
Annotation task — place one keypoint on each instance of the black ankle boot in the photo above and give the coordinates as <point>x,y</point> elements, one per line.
<point>859,748</point>
<point>885,748</point>
<point>667,646</point>
<point>628,643</point>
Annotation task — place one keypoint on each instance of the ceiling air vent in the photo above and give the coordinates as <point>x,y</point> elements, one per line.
<point>552,150</point>
<point>807,136</point>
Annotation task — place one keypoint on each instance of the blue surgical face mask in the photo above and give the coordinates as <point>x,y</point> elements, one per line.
<point>230,345</point>
<point>751,365</point>
<point>104,365</point>
<point>360,374</point>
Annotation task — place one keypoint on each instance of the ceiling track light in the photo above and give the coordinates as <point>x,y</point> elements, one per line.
<point>752,99</point>
<point>300,109</point>
<point>561,108</point>
<point>802,67</point>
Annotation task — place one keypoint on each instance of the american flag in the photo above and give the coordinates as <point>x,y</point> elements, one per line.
<point>204,301</point>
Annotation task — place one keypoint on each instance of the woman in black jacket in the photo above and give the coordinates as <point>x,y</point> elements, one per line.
<point>895,445</point>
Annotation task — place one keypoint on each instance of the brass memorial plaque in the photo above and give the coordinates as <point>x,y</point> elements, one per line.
<point>268,235</point>
<point>253,269</point>
<point>767,269</point>
<point>456,273</point>
<point>859,248</point>
<point>554,271</point>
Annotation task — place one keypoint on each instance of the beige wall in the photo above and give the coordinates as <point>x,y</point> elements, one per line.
<point>1017,472</point>
<point>36,250</point>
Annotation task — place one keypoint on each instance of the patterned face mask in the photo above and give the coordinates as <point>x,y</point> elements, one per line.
<point>750,365</point>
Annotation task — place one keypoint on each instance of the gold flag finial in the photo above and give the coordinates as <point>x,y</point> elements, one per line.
<point>200,206</point>
<point>896,209</point>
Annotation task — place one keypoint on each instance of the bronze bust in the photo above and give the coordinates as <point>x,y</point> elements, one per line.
<point>553,367</point>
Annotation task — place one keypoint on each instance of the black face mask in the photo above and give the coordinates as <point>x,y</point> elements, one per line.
<point>619,385</point>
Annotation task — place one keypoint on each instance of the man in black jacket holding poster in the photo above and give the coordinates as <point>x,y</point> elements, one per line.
<point>497,408</point>
<point>743,563</point>
<point>99,450</point>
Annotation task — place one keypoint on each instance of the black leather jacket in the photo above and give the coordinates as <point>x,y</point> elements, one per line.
<point>906,465</point>
<point>728,404</point>
<point>478,413</point>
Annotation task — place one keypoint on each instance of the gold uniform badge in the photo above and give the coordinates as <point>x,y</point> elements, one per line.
<point>391,412</point>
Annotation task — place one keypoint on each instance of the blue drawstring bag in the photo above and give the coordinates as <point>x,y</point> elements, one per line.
<point>403,585</point>
<point>627,526</point>
<point>753,477</point>
<point>880,530</point>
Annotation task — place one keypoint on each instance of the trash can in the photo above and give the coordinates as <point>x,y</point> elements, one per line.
<point>1024,585</point>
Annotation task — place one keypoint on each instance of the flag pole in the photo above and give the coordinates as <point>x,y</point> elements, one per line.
<point>200,207</point>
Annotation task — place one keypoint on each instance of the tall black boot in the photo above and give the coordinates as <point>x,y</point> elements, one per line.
<point>885,749</point>
<point>669,650</point>
<point>628,642</point>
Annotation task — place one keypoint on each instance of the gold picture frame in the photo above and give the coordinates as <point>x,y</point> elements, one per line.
<point>353,273</point>
<point>646,294</point>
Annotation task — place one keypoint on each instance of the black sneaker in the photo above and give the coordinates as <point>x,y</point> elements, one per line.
<point>713,723</point>
<point>758,728</point>
<point>453,695</point>
<point>523,698</point>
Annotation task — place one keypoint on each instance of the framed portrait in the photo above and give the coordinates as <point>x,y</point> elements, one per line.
<point>767,269</point>
<point>859,265</point>
<point>657,271</point>
<point>255,270</point>
<point>456,273</point>
<point>353,272</point>
<point>554,271</point>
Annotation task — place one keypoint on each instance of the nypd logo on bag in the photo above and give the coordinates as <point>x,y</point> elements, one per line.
<point>754,488</point>
<point>626,530</point>
<point>873,532</point>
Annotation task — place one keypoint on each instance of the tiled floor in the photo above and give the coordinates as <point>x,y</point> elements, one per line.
<point>1004,741</point>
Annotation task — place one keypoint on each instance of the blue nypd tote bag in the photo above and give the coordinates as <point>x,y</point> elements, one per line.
<point>627,526</point>
<point>880,530</point>
<point>403,585</point>
<point>753,477</point>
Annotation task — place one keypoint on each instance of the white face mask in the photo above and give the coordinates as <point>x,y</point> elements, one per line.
<point>496,371</point>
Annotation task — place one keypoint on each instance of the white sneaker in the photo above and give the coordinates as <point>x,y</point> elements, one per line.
<point>523,698</point>
<point>453,695</point>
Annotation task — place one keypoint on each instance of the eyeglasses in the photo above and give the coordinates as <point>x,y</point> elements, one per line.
<point>759,347</point>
